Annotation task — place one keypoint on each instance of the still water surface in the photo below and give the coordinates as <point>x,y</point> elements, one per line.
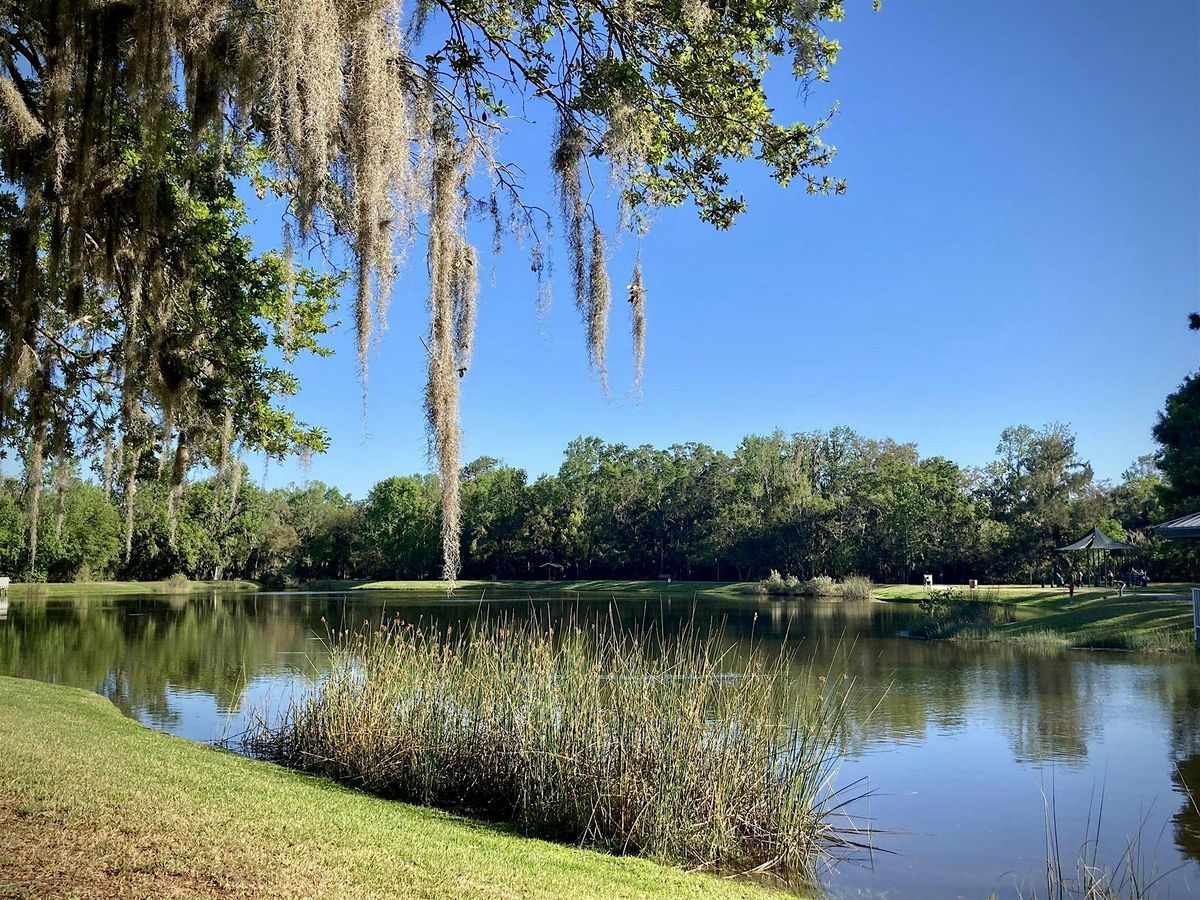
<point>963,745</point>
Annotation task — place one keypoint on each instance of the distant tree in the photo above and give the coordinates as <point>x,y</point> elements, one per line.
<point>1178,435</point>
<point>1034,488</point>
<point>85,541</point>
<point>12,526</point>
<point>1137,500</point>
<point>401,520</point>
<point>494,511</point>
<point>325,521</point>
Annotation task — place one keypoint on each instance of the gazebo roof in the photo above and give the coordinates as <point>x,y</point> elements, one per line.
<point>1184,527</point>
<point>1096,540</point>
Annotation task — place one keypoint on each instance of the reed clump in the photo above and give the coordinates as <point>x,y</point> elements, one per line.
<point>670,748</point>
<point>856,587</point>
<point>777,585</point>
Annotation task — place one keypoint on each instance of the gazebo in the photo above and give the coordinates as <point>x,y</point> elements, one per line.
<point>1184,527</point>
<point>1096,547</point>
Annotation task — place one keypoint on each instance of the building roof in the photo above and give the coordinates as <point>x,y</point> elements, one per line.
<point>1184,527</point>
<point>1096,540</point>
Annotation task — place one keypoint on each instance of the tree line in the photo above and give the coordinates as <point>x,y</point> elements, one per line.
<point>808,503</point>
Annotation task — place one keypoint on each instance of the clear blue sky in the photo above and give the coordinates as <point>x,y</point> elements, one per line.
<point>1020,243</point>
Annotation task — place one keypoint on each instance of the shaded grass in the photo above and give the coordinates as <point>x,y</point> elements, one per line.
<point>94,805</point>
<point>1096,618</point>
<point>1019,593</point>
<point>26,590</point>
<point>668,747</point>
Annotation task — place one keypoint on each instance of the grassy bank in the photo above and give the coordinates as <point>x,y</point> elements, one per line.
<point>476,589</point>
<point>94,805</point>
<point>24,590</point>
<point>1157,618</point>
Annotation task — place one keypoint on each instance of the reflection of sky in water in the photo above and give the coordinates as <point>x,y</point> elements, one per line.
<point>973,810</point>
<point>964,745</point>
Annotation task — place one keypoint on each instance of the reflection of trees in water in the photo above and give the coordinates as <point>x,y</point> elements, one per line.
<point>1048,701</point>
<point>1186,779</point>
<point>135,651</point>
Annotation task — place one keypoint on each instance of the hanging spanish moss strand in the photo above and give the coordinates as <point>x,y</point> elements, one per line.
<point>599,301</point>
<point>465,284</point>
<point>33,476</point>
<point>178,479</point>
<point>568,150</point>
<point>222,460</point>
<point>288,252</point>
<point>62,481</point>
<point>453,284</point>
<point>167,438</point>
<point>637,303</point>
<point>106,470</point>
<point>235,485</point>
<point>16,115</point>
<point>338,90</point>
<point>131,485</point>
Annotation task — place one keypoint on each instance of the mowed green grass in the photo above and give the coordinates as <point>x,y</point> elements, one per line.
<point>534,587</point>
<point>1019,593</point>
<point>1158,617</point>
<point>95,805</point>
<point>36,589</point>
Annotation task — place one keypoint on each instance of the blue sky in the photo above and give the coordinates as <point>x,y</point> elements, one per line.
<point>1020,243</point>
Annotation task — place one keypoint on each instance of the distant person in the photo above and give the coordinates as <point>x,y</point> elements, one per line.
<point>1117,583</point>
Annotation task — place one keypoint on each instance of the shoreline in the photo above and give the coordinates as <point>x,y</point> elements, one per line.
<point>95,804</point>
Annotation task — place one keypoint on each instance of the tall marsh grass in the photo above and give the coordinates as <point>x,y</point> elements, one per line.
<point>852,587</point>
<point>669,748</point>
<point>856,587</point>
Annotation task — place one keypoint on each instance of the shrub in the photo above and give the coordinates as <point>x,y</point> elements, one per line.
<point>856,587</point>
<point>177,584</point>
<point>819,586</point>
<point>776,584</point>
<point>664,747</point>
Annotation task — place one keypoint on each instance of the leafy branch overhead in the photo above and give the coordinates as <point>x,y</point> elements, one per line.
<point>135,314</point>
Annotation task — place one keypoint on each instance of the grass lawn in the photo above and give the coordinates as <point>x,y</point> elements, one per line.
<point>95,805</point>
<point>1158,617</point>
<point>600,586</point>
<point>1018,593</point>
<point>23,590</point>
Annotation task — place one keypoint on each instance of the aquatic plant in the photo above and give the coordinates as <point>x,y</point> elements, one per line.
<point>856,587</point>
<point>791,586</point>
<point>664,747</point>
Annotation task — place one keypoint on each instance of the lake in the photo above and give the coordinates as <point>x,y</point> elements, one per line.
<point>968,749</point>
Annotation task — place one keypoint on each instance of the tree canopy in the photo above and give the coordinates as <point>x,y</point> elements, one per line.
<point>1177,432</point>
<point>135,315</point>
<point>833,503</point>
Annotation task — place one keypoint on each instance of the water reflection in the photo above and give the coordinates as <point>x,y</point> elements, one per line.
<point>959,741</point>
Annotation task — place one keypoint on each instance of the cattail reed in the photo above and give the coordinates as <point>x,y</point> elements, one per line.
<point>667,747</point>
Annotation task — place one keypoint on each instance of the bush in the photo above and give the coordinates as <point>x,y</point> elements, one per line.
<point>775,584</point>
<point>660,746</point>
<point>177,584</point>
<point>819,586</point>
<point>791,586</point>
<point>856,587</point>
